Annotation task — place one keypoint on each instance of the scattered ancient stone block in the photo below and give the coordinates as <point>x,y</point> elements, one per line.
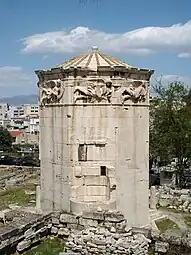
<point>161,247</point>
<point>55,221</point>
<point>63,232</point>
<point>107,243</point>
<point>11,182</point>
<point>113,230</point>
<point>8,232</point>
<point>72,226</point>
<point>88,222</point>
<point>54,230</point>
<point>29,233</point>
<point>42,231</point>
<point>114,216</point>
<point>9,216</point>
<point>107,224</point>
<point>93,215</point>
<point>68,218</point>
<point>23,245</point>
<point>120,226</point>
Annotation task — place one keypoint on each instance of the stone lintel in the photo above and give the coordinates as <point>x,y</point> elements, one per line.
<point>93,142</point>
<point>104,69</point>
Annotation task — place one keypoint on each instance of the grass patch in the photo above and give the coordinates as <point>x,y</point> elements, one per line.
<point>187,220</point>
<point>151,251</point>
<point>17,196</point>
<point>164,225</point>
<point>47,247</point>
<point>3,172</point>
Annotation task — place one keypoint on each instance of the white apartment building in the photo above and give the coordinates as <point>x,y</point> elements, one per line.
<point>19,123</point>
<point>27,124</point>
<point>16,111</point>
<point>31,109</point>
<point>34,124</point>
<point>4,120</point>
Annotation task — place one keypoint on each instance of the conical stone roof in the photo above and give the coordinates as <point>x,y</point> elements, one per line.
<point>93,61</point>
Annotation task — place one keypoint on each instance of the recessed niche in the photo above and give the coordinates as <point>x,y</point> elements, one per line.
<point>103,171</point>
<point>82,152</point>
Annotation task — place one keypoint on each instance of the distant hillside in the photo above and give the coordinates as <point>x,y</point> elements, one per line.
<point>22,99</point>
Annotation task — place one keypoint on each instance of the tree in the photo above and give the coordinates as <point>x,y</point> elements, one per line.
<point>170,126</point>
<point>5,139</point>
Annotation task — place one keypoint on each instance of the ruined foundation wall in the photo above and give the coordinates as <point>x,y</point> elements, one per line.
<point>176,199</point>
<point>89,233</point>
<point>99,232</point>
<point>13,176</point>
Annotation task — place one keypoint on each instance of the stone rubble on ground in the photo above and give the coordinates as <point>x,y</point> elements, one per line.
<point>177,199</point>
<point>161,247</point>
<point>98,232</point>
<point>102,241</point>
<point>13,176</point>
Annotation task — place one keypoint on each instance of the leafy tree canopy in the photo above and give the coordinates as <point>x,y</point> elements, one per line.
<point>170,125</point>
<point>5,139</point>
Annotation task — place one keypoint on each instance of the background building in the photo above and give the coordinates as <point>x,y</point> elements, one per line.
<point>23,122</point>
<point>22,137</point>
<point>34,124</point>
<point>30,109</point>
<point>4,120</point>
<point>16,111</point>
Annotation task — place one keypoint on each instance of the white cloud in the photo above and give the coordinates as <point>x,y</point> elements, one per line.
<point>15,81</point>
<point>13,76</point>
<point>184,55</point>
<point>143,41</point>
<point>172,77</point>
<point>45,57</point>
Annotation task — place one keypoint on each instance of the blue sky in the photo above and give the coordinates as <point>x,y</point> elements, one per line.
<point>40,34</point>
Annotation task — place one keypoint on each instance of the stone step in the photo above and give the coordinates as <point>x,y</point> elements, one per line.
<point>156,215</point>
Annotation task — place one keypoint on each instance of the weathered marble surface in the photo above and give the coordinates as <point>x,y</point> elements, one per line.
<point>94,139</point>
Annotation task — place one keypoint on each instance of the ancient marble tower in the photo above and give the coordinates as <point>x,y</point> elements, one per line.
<point>94,136</point>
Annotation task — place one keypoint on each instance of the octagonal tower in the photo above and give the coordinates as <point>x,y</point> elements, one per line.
<point>94,136</point>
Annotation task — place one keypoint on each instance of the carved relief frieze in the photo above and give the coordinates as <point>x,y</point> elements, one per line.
<point>93,91</point>
<point>135,92</point>
<point>50,92</point>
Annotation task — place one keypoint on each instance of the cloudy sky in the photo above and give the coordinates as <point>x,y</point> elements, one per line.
<point>40,34</point>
